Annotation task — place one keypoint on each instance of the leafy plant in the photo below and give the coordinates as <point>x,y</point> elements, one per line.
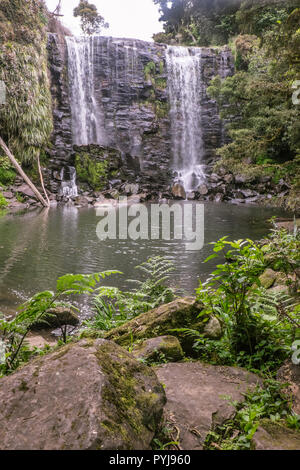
<point>113,307</point>
<point>36,312</point>
<point>260,326</point>
<point>264,402</point>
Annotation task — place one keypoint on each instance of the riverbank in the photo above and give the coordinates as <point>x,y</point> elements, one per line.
<point>221,340</point>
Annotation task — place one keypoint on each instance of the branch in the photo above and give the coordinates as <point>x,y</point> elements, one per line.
<point>22,174</point>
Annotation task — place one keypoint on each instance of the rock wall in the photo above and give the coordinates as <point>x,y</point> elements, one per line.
<point>125,89</point>
<point>62,140</point>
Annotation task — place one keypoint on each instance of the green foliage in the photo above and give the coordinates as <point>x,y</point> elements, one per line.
<point>91,21</point>
<point>259,326</point>
<point>267,402</point>
<point>263,123</point>
<point>26,119</point>
<point>3,201</point>
<point>92,172</point>
<point>207,22</point>
<point>35,311</point>
<point>114,307</point>
<point>7,173</point>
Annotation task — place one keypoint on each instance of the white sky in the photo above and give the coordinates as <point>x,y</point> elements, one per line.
<point>136,19</point>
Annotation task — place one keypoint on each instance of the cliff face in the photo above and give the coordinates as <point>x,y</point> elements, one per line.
<point>115,93</point>
<point>62,140</point>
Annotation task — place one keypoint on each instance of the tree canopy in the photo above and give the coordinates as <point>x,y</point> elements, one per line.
<point>91,21</point>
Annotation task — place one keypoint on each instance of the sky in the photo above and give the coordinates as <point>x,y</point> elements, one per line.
<point>136,19</point>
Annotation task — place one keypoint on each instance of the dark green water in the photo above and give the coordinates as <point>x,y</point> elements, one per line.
<point>37,248</point>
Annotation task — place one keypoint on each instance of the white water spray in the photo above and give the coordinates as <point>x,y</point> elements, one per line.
<point>186,89</point>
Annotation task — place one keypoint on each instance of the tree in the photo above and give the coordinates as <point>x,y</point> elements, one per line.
<point>91,21</point>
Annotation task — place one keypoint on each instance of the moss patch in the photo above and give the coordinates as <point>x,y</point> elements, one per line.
<point>26,120</point>
<point>123,394</point>
<point>96,165</point>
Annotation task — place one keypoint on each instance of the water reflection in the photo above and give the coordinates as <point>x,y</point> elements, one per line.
<point>37,248</point>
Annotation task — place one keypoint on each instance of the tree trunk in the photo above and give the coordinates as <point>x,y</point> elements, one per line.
<point>22,174</point>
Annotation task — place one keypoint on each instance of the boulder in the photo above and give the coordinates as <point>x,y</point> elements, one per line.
<point>229,179</point>
<point>197,398</point>
<point>275,436</point>
<point>213,329</point>
<point>289,373</point>
<point>268,278</point>
<point>219,197</point>
<point>178,191</point>
<point>131,189</point>
<point>90,395</point>
<point>182,313</point>
<point>58,316</point>
<point>203,190</point>
<point>25,190</point>
<point>153,349</point>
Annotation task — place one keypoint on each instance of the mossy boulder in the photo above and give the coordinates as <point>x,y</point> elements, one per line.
<point>89,395</point>
<point>156,349</point>
<point>275,436</point>
<point>268,278</point>
<point>181,313</point>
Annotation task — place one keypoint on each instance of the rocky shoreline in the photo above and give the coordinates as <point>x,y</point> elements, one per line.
<point>222,187</point>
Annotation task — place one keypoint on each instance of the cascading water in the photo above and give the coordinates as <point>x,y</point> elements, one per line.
<point>68,182</point>
<point>87,115</point>
<point>186,89</point>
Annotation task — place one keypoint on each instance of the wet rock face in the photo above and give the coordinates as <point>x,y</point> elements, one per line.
<point>127,83</point>
<point>62,148</point>
<point>92,395</point>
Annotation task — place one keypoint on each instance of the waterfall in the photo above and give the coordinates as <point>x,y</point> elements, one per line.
<point>68,182</point>
<point>87,115</point>
<point>186,90</point>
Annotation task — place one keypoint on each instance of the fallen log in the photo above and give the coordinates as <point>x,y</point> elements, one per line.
<point>22,173</point>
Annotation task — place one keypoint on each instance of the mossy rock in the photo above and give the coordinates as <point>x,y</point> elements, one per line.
<point>275,436</point>
<point>89,395</point>
<point>157,349</point>
<point>182,313</point>
<point>97,165</point>
<point>268,278</point>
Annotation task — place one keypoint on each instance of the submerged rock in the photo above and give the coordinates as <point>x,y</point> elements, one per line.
<point>92,395</point>
<point>167,347</point>
<point>198,398</point>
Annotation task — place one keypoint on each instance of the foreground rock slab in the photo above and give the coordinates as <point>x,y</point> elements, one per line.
<point>274,436</point>
<point>88,395</point>
<point>196,398</point>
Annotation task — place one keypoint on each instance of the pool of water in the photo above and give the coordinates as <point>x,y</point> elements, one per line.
<point>38,247</point>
